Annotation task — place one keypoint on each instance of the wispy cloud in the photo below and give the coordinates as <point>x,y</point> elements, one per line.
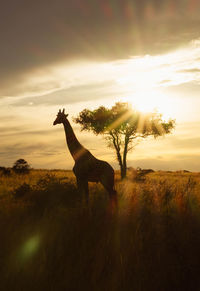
<point>67,31</point>
<point>74,94</point>
<point>72,83</point>
<point>194,70</point>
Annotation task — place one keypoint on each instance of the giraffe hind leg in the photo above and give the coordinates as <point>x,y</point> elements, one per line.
<point>108,184</point>
<point>113,201</point>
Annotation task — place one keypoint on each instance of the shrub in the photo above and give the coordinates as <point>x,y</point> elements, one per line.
<point>5,171</point>
<point>138,175</point>
<point>21,167</point>
<point>22,190</point>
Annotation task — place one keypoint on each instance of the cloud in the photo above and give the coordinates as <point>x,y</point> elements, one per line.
<point>32,148</point>
<point>188,144</point>
<point>193,70</point>
<point>20,131</point>
<point>64,84</point>
<point>74,94</point>
<point>15,131</point>
<point>189,90</point>
<point>36,35</point>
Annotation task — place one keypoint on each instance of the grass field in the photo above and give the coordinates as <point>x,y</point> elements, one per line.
<point>52,240</point>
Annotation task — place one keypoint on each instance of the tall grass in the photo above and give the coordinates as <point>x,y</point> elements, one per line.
<point>52,240</point>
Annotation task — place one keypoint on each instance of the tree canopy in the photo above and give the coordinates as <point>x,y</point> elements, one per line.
<point>121,125</point>
<point>21,166</point>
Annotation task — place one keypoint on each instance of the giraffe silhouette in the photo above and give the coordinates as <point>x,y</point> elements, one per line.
<point>87,168</point>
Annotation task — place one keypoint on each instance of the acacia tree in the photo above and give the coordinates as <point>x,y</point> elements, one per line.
<point>21,166</point>
<point>123,127</point>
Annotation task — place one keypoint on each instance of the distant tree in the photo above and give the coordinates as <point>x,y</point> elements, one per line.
<point>123,127</point>
<point>21,167</point>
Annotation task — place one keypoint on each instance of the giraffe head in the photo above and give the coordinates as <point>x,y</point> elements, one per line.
<point>61,117</point>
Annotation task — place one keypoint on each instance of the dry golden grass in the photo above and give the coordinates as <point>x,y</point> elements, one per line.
<point>52,240</point>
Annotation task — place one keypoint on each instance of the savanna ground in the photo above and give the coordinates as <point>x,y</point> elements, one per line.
<point>50,239</point>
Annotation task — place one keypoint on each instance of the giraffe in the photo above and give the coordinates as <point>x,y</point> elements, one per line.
<point>87,168</point>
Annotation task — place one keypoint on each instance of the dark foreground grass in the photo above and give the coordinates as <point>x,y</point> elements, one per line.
<point>51,240</point>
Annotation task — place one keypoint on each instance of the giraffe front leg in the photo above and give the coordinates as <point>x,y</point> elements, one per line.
<point>83,188</point>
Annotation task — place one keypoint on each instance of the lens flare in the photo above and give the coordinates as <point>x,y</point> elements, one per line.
<point>30,247</point>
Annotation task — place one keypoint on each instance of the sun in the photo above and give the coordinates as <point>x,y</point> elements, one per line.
<point>142,82</point>
<point>152,100</point>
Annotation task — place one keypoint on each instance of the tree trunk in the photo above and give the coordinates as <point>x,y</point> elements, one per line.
<point>123,172</point>
<point>118,153</point>
<point>124,165</point>
<point>119,158</point>
<point>122,162</point>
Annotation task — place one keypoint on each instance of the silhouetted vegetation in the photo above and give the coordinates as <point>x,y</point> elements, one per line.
<point>52,240</point>
<point>21,167</point>
<point>22,190</point>
<point>139,175</point>
<point>5,171</point>
<point>123,127</point>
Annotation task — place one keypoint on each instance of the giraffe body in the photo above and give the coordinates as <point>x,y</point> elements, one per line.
<point>87,168</point>
<point>90,169</point>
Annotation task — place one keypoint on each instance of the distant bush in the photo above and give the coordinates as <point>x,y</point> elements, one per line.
<point>139,175</point>
<point>5,171</point>
<point>22,190</point>
<point>21,167</point>
<point>49,192</point>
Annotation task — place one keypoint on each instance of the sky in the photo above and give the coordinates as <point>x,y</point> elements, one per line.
<point>86,53</point>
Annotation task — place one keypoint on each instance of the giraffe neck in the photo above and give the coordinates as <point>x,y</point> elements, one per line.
<point>75,148</point>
